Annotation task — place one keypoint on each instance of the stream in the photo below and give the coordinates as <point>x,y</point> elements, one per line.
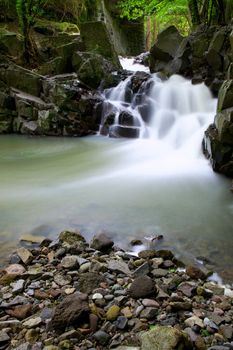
<point>131,188</point>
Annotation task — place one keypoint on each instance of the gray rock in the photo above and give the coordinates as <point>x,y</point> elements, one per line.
<point>25,255</point>
<point>4,337</point>
<point>160,273</point>
<point>121,322</point>
<point>70,262</point>
<point>101,337</point>
<point>119,266</point>
<point>101,242</point>
<point>149,313</point>
<point>18,286</point>
<point>62,280</point>
<point>142,270</point>
<point>89,281</point>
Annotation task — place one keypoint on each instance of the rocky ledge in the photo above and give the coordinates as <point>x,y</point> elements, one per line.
<point>68,294</point>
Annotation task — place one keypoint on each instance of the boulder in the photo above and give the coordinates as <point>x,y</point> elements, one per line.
<point>71,311</point>
<point>165,48</point>
<point>11,43</point>
<point>102,242</point>
<point>124,131</point>
<point>93,69</point>
<point>165,338</point>
<point>225,97</point>
<point>96,38</point>
<point>224,124</point>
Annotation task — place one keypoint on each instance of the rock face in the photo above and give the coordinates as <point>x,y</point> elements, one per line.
<point>71,310</point>
<point>165,338</point>
<point>218,140</point>
<point>205,55</point>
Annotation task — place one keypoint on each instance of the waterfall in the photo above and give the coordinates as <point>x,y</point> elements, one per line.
<point>172,112</point>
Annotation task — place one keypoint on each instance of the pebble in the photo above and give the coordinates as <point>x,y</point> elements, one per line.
<point>32,322</point>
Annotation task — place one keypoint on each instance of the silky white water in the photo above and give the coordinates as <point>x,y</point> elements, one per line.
<point>159,184</point>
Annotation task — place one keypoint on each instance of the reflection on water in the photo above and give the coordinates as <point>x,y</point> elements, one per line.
<point>96,183</point>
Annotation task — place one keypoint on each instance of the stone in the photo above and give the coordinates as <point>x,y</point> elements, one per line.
<point>113,313</point>
<point>71,237</point>
<point>4,337</point>
<point>119,266</point>
<point>21,311</point>
<point>62,280</point>
<point>215,288</point>
<point>194,320</point>
<point>18,286</point>
<point>127,312</point>
<point>121,322</point>
<point>150,303</point>
<point>225,95</point>
<point>142,270</point>
<point>101,337</point>
<point>195,272</point>
<point>89,281</point>
<point>181,305</point>
<point>147,254</point>
<point>142,287</point>
<point>165,338</point>
<point>73,309</point>
<point>187,288</point>
<point>32,322</point>
<point>70,262</point>
<point>116,131</point>
<point>149,313</point>
<point>159,273</point>
<point>15,269</point>
<point>32,336</point>
<point>101,242</point>
<point>25,255</point>
<point>224,124</point>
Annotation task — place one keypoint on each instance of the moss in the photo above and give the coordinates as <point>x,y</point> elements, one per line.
<point>44,26</point>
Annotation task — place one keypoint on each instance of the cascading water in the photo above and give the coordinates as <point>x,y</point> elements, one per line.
<point>171,115</point>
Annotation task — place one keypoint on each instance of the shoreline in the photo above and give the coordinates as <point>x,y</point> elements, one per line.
<point>68,294</point>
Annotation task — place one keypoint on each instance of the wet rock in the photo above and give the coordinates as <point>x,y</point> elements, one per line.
<point>18,286</point>
<point>117,131</point>
<point>71,237</point>
<point>149,313</point>
<point>102,242</point>
<point>167,338</point>
<point>195,272</point>
<point>147,254</point>
<point>32,336</point>
<point>142,287</point>
<point>142,270</point>
<point>71,310</point>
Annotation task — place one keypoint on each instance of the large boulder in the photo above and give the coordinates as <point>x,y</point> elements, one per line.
<point>11,43</point>
<point>93,69</point>
<point>165,48</point>
<point>165,338</point>
<point>96,39</point>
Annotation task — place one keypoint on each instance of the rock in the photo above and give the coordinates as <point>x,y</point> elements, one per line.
<point>71,237</point>
<point>119,266</point>
<point>101,337</point>
<point>165,338</point>
<point>215,288</point>
<point>4,337</point>
<point>21,311</point>
<point>181,305</point>
<point>142,287</point>
<point>149,313</point>
<point>127,312</point>
<point>194,320</point>
<point>96,38</point>
<point>117,131</point>
<point>160,273</point>
<point>121,322</point>
<point>89,281</point>
<point>32,322</point>
<point>15,269</point>
<point>147,254</point>
<point>195,272</point>
<point>18,286</point>
<point>32,239</point>
<point>187,288</point>
<point>25,255</point>
<point>102,242</point>
<point>225,95</point>
<point>142,270</point>
<point>73,309</point>
<point>112,313</point>
<point>70,262</point>
<point>150,303</point>
<point>62,280</point>
<point>32,336</point>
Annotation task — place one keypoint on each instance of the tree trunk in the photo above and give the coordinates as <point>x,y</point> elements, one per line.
<point>194,12</point>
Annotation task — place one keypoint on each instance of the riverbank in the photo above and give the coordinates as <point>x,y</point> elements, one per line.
<point>68,294</point>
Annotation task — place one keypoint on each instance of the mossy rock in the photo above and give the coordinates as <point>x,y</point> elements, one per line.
<point>46,27</point>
